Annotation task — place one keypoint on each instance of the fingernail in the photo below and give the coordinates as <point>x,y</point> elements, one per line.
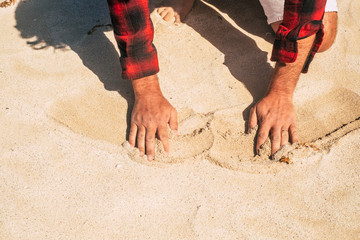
<point>166,154</point>
<point>141,154</point>
<point>150,157</point>
<point>176,132</point>
<point>177,24</point>
<point>249,131</point>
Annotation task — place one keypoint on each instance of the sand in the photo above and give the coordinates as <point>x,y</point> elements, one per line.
<point>67,171</point>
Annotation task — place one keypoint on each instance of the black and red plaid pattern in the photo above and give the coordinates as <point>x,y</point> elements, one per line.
<point>134,34</point>
<point>302,18</point>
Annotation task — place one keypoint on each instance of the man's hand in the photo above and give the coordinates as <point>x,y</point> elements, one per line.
<point>276,116</point>
<point>275,112</point>
<point>150,116</point>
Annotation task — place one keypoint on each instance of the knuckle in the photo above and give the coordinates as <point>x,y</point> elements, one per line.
<point>159,118</point>
<point>275,138</point>
<point>163,137</point>
<point>141,135</point>
<point>135,121</point>
<point>164,115</point>
<point>136,118</point>
<point>148,124</point>
<point>284,133</point>
<point>261,135</point>
<point>150,139</point>
<point>265,119</point>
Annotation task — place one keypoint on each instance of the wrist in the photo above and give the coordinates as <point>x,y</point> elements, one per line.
<point>282,83</point>
<point>280,94</point>
<point>146,86</point>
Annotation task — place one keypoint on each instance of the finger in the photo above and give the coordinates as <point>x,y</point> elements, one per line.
<point>284,136</point>
<point>252,119</point>
<point>163,13</point>
<point>173,122</point>
<point>132,134</point>
<point>177,19</point>
<point>141,140</point>
<point>262,136</point>
<point>293,133</point>
<point>150,143</point>
<point>160,9</point>
<point>164,138</point>
<point>168,16</point>
<point>275,140</point>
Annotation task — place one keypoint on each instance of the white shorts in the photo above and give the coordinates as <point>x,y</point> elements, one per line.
<point>274,9</point>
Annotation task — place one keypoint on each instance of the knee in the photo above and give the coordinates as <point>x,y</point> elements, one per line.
<point>330,30</point>
<point>275,25</point>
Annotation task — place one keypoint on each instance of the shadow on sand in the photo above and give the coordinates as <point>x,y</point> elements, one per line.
<point>62,24</point>
<point>245,60</point>
<point>57,24</point>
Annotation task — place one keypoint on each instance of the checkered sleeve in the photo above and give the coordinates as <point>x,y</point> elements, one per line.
<point>134,34</point>
<point>302,18</point>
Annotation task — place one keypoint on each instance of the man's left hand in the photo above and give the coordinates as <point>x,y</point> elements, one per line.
<point>276,117</point>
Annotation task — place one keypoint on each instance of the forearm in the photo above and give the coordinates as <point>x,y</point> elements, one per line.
<point>134,33</point>
<point>146,85</point>
<point>286,75</point>
<point>296,42</point>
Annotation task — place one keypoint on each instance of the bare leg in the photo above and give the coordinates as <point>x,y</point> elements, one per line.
<point>275,25</point>
<point>330,30</point>
<point>175,9</point>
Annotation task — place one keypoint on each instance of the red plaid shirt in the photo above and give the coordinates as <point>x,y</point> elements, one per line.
<point>302,18</point>
<point>134,34</point>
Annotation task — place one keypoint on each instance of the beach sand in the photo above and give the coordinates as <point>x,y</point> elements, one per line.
<point>67,171</point>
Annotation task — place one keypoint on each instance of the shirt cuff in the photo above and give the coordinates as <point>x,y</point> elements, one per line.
<point>135,67</point>
<point>285,49</point>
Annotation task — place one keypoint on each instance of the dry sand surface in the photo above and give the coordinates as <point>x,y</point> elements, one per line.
<point>67,172</point>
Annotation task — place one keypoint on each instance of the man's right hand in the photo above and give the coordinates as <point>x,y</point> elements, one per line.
<point>150,116</point>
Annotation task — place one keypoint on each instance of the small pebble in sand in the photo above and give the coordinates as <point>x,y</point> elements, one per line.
<point>5,4</point>
<point>285,160</point>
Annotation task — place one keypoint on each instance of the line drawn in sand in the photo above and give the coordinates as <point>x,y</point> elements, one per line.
<point>219,136</point>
